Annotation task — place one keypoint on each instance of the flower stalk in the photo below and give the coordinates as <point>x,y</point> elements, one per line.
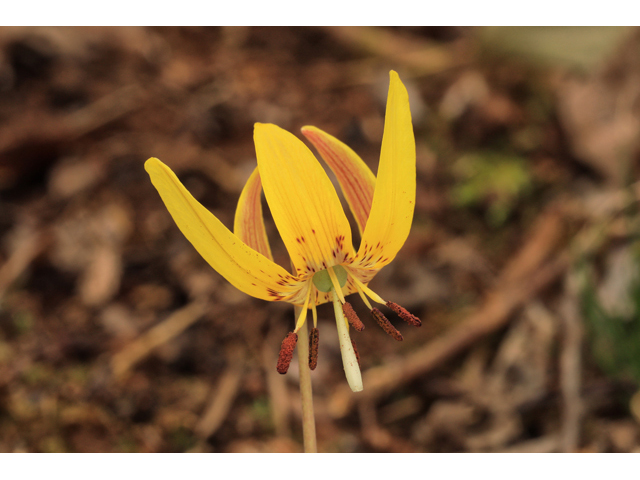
<point>306,391</point>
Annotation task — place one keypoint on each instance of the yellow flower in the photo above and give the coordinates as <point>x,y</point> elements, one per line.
<point>315,230</point>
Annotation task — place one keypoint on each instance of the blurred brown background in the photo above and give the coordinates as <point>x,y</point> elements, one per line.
<point>522,262</point>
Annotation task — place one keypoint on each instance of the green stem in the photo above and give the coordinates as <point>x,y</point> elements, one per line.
<point>306,393</point>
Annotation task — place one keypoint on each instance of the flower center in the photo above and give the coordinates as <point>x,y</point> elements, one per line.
<point>322,280</point>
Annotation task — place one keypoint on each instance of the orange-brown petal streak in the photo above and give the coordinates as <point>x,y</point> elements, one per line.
<point>249,222</point>
<point>355,178</point>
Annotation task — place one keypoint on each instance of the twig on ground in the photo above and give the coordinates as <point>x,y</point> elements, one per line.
<point>31,243</point>
<point>276,386</point>
<point>222,399</point>
<point>139,348</point>
<point>421,57</point>
<point>571,368</point>
<point>522,279</point>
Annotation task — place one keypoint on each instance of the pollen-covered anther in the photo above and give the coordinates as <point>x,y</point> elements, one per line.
<point>352,317</point>
<point>355,350</point>
<point>386,324</point>
<point>286,352</point>
<point>314,338</point>
<point>404,314</point>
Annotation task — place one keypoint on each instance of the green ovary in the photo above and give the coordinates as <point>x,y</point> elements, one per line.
<point>322,280</point>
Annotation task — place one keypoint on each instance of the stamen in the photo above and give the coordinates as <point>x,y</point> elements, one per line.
<point>355,350</point>
<point>362,295</point>
<point>372,295</point>
<point>336,284</point>
<point>386,324</point>
<point>404,314</point>
<point>315,314</point>
<point>352,317</point>
<point>314,338</point>
<point>286,352</point>
<point>303,312</point>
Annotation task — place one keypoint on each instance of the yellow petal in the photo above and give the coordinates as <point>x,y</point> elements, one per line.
<point>249,222</point>
<point>246,269</point>
<point>354,176</point>
<point>394,197</point>
<point>305,206</point>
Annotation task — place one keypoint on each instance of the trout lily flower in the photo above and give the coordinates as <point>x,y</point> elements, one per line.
<point>310,219</point>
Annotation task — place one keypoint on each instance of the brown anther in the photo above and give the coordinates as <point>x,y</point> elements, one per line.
<point>286,352</point>
<point>386,324</point>
<point>355,350</point>
<point>314,338</point>
<point>404,314</point>
<point>352,317</point>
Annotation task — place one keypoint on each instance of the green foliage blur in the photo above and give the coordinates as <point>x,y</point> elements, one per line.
<point>614,333</point>
<point>494,180</point>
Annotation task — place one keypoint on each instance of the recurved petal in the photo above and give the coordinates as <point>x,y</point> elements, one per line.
<point>249,222</point>
<point>354,176</point>
<point>394,197</point>
<point>245,268</point>
<point>305,206</point>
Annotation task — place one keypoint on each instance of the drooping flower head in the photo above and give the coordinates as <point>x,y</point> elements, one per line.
<point>313,226</point>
